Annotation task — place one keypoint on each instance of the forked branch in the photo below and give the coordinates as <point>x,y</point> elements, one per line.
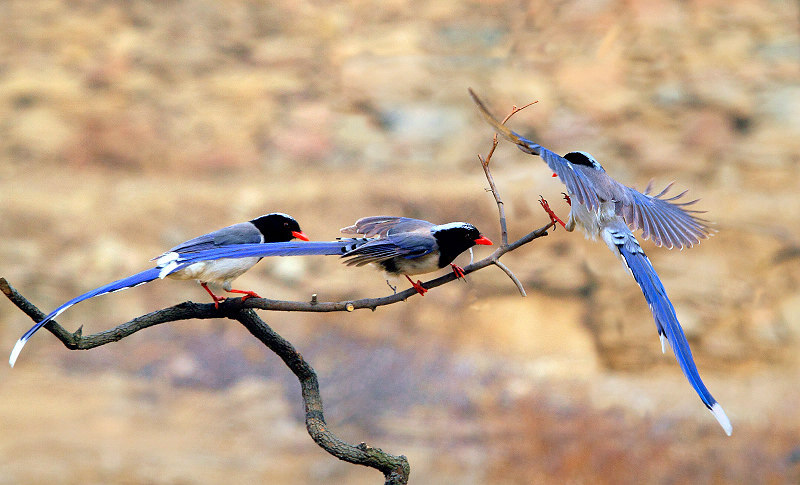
<point>395,469</point>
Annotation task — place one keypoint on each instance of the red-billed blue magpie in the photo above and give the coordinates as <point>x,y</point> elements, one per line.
<point>195,259</point>
<point>405,246</point>
<point>603,207</point>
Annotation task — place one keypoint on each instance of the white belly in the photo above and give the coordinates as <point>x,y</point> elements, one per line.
<point>421,265</point>
<point>220,271</point>
<point>592,222</point>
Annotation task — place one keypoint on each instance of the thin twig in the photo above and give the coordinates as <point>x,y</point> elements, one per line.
<point>496,194</point>
<point>512,276</point>
<point>500,206</point>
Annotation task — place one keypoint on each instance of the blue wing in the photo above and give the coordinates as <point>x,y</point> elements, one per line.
<point>380,226</point>
<point>665,220</point>
<point>241,233</point>
<point>404,245</point>
<point>665,318</point>
<point>124,283</point>
<point>577,182</point>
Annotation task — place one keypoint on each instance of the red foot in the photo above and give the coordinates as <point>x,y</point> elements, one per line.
<point>247,294</point>
<point>216,298</point>
<point>553,217</point>
<point>567,198</point>
<point>458,270</point>
<point>417,286</point>
<point>554,175</point>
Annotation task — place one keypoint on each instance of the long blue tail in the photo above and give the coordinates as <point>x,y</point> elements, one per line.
<point>665,318</point>
<point>124,283</point>
<point>292,248</point>
<point>173,262</point>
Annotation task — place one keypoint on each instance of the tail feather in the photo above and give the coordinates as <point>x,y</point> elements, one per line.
<point>666,320</point>
<point>329,248</point>
<point>173,262</point>
<point>124,283</point>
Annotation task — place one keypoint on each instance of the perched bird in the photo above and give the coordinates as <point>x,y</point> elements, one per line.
<point>405,246</point>
<point>193,260</point>
<point>603,207</point>
<point>397,245</point>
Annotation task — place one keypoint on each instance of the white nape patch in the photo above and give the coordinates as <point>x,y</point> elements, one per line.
<point>277,214</point>
<point>454,225</point>
<point>722,418</point>
<point>15,352</point>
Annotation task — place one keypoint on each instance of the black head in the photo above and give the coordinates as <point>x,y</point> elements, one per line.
<point>583,158</point>
<point>455,238</point>
<point>278,227</point>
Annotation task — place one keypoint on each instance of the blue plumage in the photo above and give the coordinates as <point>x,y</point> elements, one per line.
<point>325,248</point>
<point>225,254</point>
<point>603,207</point>
<point>129,282</point>
<point>667,221</point>
<point>184,260</point>
<point>664,315</point>
<point>202,258</point>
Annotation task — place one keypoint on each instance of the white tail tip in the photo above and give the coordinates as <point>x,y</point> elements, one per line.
<point>15,352</point>
<point>718,413</point>
<point>663,343</point>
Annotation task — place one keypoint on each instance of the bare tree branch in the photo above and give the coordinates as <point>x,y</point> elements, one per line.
<point>395,469</point>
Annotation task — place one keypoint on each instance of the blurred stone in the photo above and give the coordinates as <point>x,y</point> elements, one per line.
<point>421,123</point>
<point>42,131</point>
<point>790,312</point>
<point>782,106</point>
<point>546,333</point>
<point>670,94</point>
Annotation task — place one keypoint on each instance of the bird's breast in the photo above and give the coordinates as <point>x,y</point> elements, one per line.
<point>593,221</point>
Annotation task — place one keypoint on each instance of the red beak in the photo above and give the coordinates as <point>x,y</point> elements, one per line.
<point>483,240</point>
<point>299,235</point>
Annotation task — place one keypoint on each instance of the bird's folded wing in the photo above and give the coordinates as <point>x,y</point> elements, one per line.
<point>242,233</point>
<point>405,245</point>
<point>380,226</point>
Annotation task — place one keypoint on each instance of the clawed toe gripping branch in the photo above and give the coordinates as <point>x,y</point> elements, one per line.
<point>395,469</point>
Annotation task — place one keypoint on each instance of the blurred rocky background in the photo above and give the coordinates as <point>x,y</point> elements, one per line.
<point>129,126</point>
